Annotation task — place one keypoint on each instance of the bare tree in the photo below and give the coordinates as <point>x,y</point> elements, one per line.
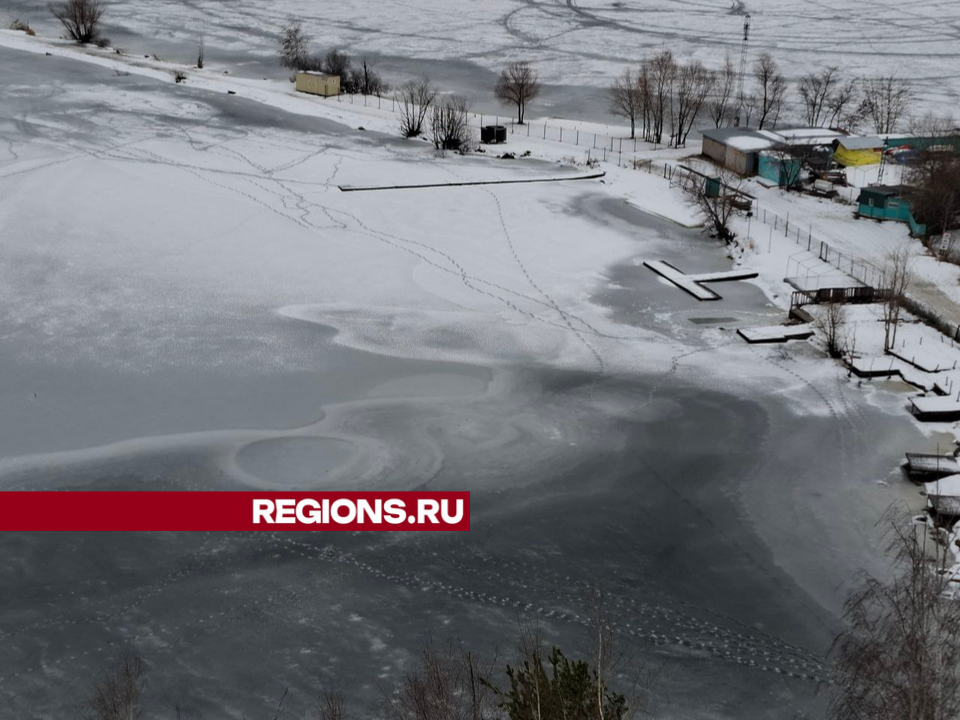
<point>518,85</point>
<point>661,70</point>
<point>725,86</point>
<point>414,99</point>
<point>932,126</point>
<point>899,658</point>
<point>338,63</point>
<point>896,278</point>
<point>200,48</point>
<point>81,18</point>
<point>885,102</point>
<point>292,50</point>
<point>718,199</point>
<point>117,696</point>
<point>843,106</point>
<point>831,321</point>
<point>935,182</point>
<point>331,706</point>
<point>449,123</point>
<point>447,684</point>
<point>816,90</point>
<point>366,80</point>
<point>693,84</point>
<point>771,89</point>
<point>627,98</point>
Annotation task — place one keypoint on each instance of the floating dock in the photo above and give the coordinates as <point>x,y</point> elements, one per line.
<point>775,333</point>
<point>936,408</point>
<point>693,284</point>
<point>924,467</point>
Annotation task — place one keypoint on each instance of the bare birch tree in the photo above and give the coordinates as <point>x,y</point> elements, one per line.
<point>724,100</point>
<point>816,89</point>
<point>292,50</point>
<point>896,278</point>
<point>843,106</point>
<point>518,85</point>
<point>627,99</point>
<point>692,87</point>
<point>899,658</point>
<point>885,102</point>
<point>661,71</point>
<point>771,89</point>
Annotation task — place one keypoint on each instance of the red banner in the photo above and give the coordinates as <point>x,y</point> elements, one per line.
<point>232,511</point>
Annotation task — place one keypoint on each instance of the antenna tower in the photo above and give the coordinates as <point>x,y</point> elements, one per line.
<point>743,70</point>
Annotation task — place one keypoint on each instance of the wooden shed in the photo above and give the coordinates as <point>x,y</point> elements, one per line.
<point>736,148</point>
<point>316,83</point>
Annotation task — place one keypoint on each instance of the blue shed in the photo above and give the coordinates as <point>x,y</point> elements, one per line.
<point>779,167</point>
<point>887,202</point>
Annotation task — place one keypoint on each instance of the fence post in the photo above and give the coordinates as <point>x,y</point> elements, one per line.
<point>594,141</point>
<point>561,133</point>
<point>604,153</point>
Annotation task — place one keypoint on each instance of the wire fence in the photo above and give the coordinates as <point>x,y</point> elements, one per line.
<point>857,268</point>
<point>600,146</point>
<point>604,148</point>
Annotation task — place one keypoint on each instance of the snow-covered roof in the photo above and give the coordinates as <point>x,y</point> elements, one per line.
<point>809,132</point>
<point>750,139</point>
<point>862,143</point>
<point>749,142</point>
<point>948,486</point>
<point>740,138</point>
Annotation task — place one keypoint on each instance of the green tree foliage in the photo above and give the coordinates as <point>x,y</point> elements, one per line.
<point>561,688</point>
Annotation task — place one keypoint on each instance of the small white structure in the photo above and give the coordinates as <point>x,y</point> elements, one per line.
<point>317,83</point>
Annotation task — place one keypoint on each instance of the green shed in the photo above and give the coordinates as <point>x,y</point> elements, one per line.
<point>889,202</point>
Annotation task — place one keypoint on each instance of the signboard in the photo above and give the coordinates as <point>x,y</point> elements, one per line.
<point>944,242</point>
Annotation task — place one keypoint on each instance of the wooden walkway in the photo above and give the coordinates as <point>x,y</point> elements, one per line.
<point>693,284</point>
<point>469,183</point>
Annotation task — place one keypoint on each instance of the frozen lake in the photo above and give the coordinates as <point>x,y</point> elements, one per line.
<point>578,45</point>
<point>202,309</point>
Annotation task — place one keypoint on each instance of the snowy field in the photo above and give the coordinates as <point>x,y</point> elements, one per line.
<point>188,301</point>
<point>578,45</point>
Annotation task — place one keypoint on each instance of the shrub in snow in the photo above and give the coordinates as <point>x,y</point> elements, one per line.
<point>21,26</point>
<point>81,18</point>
